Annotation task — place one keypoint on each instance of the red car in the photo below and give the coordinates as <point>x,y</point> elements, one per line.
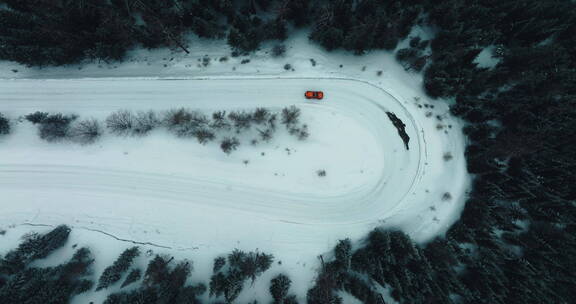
<point>314,95</point>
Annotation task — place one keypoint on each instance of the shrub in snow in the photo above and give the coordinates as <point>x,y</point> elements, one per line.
<point>290,115</point>
<point>321,173</point>
<point>266,134</point>
<point>260,115</point>
<point>185,130</point>
<point>55,127</point>
<point>406,54</point>
<point>241,120</point>
<point>278,50</point>
<point>144,122</point>
<point>219,121</point>
<point>205,61</point>
<point>85,131</point>
<point>279,287</point>
<point>120,122</point>
<point>229,144</point>
<point>124,122</point>
<point>36,117</point>
<point>198,120</point>
<point>185,123</point>
<point>113,273</point>
<point>287,67</point>
<point>272,121</point>
<point>411,58</point>
<point>203,135</point>
<point>4,125</point>
<point>174,118</point>
<point>303,133</point>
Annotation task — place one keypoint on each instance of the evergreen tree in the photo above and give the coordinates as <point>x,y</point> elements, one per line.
<point>4,125</point>
<point>241,266</point>
<point>279,287</point>
<point>132,277</point>
<point>219,262</point>
<point>343,253</point>
<point>113,273</point>
<point>48,285</point>
<point>157,270</point>
<point>34,247</point>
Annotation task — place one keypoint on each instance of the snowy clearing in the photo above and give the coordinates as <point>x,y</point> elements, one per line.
<point>195,201</point>
<point>369,171</point>
<point>180,194</point>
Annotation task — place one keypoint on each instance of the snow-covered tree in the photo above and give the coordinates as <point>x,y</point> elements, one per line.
<point>279,287</point>
<point>4,125</point>
<point>113,273</point>
<point>133,276</point>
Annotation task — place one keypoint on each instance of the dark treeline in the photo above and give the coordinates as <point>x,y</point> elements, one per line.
<point>163,281</point>
<point>522,113</point>
<point>515,241</point>
<point>60,32</point>
<point>46,32</point>
<point>22,283</point>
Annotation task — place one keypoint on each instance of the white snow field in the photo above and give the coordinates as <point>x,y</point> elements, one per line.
<point>134,186</point>
<point>180,194</point>
<point>194,201</point>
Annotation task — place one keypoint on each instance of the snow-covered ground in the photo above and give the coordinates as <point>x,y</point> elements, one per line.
<point>197,202</point>
<point>486,59</point>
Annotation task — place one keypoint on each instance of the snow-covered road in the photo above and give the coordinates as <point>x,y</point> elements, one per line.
<point>177,193</point>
